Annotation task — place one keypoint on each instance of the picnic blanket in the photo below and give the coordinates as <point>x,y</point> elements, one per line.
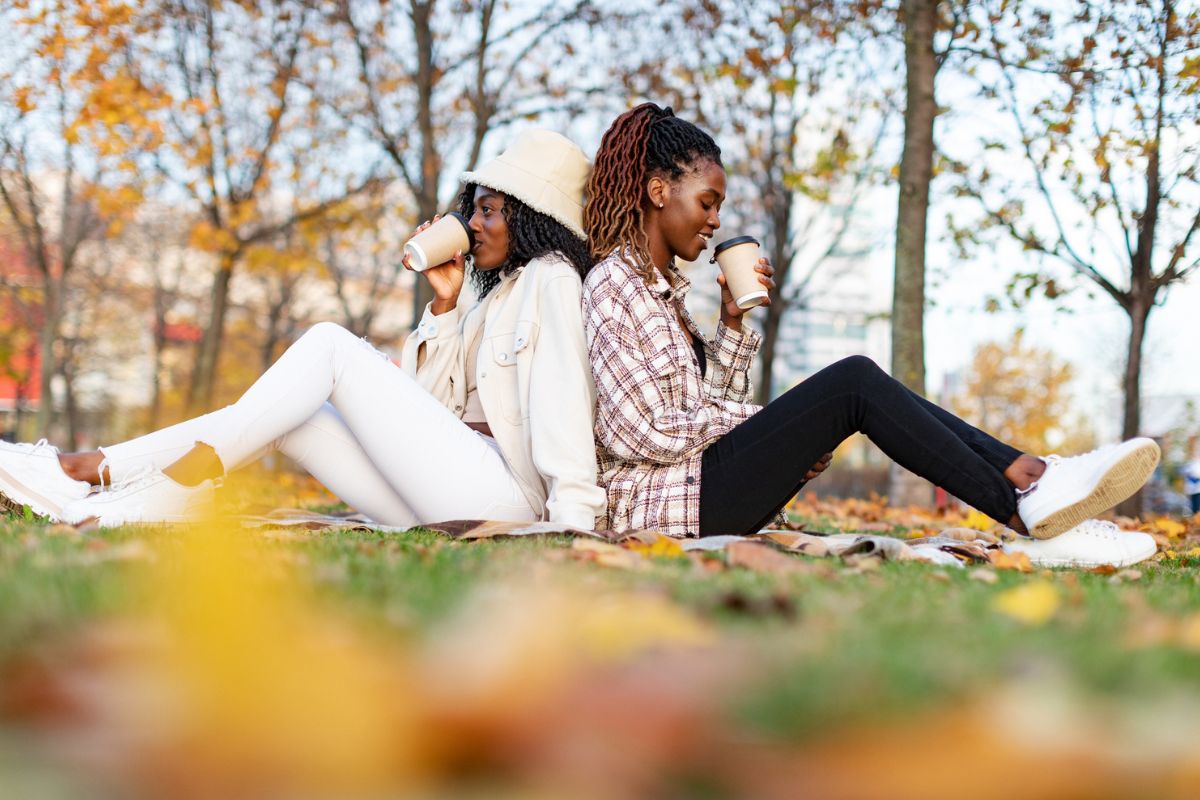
<point>954,547</point>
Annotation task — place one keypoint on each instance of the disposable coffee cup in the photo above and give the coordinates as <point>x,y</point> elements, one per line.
<point>438,243</point>
<point>737,258</point>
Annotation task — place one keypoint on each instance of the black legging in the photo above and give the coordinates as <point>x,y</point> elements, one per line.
<point>750,473</point>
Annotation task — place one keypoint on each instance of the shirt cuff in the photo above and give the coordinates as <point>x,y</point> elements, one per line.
<point>435,326</point>
<point>736,349</point>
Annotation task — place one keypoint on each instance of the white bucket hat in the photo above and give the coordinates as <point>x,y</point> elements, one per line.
<point>544,170</point>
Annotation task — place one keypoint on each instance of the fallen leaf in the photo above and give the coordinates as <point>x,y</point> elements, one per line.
<point>658,545</point>
<point>983,576</point>
<point>607,555</point>
<point>1002,559</point>
<point>761,558</point>
<point>978,521</point>
<point>1129,575</point>
<point>970,535</point>
<point>1189,632</point>
<point>1173,528</point>
<point>1032,603</point>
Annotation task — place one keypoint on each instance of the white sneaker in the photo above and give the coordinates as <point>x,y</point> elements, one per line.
<point>30,475</point>
<point>1072,490</point>
<point>1092,543</point>
<point>149,498</point>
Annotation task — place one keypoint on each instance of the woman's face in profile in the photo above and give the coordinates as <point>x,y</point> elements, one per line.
<point>691,212</point>
<point>490,228</point>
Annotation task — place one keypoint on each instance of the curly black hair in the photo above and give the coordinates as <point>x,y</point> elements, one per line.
<point>531,234</point>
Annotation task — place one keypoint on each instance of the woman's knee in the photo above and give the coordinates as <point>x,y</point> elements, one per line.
<point>330,331</point>
<point>857,369</point>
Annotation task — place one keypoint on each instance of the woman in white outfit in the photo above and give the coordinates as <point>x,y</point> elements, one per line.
<point>488,416</point>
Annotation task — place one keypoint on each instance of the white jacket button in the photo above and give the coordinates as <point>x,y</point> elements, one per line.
<point>502,357</point>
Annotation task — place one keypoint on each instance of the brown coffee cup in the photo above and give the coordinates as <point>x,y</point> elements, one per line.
<point>438,243</point>
<point>738,258</point>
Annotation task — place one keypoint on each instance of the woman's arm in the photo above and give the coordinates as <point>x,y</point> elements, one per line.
<point>636,420</point>
<point>435,355</point>
<point>561,402</point>
<point>735,345</point>
<point>733,351</point>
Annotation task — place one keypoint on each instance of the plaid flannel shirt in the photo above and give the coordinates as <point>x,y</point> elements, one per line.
<point>655,413</point>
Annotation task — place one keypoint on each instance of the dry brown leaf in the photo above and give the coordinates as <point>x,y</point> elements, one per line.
<point>970,535</point>
<point>607,555</point>
<point>800,542</point>
<point>762,558</point>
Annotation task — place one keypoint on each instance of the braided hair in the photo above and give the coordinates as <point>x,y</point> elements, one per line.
<point>531,234</point>
<point>643,142</point>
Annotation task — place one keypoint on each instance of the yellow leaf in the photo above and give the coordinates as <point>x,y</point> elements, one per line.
<point>1033,603</point>
<point>978,521</point>
<point>1171,527</point>
<point>660,546</point>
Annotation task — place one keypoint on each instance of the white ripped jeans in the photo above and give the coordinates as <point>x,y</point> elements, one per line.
<point>358,424</point>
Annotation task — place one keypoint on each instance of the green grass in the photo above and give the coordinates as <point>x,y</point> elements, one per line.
<point>834,647</point>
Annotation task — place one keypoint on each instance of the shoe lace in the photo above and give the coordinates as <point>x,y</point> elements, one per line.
<point>136,480</point>
<point>35,447</point>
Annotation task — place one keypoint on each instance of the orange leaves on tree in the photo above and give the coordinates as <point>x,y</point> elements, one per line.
<point>1021,394</point>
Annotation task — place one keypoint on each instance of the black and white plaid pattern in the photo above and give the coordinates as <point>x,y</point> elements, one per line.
<point>655,413</point>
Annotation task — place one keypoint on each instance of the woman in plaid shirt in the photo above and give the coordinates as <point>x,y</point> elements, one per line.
<point>683,450</point>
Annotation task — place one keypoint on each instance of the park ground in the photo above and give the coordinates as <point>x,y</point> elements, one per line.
<point>222,661</point>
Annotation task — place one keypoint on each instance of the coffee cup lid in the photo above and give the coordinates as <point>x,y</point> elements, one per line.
<point>466,227</point>
<point>734,242</point>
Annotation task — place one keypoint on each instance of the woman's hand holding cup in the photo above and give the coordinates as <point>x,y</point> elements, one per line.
<point>731,312</point>
<point>446,278</point>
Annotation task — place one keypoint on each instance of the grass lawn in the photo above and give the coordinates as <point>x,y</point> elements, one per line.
<point>543,670</point>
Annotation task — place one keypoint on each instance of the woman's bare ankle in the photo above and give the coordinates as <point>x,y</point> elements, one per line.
<point>196,466</point>
<point>83,466</point>
<point>1024,471</point>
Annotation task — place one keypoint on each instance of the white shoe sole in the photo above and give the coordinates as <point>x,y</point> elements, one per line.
<point>1078,563</point>
<point>15,495</point>
<point>1117,484</point>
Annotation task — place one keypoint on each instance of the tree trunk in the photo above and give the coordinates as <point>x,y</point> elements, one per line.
<point>779,202</point>
<point>160,348</point>
<point>51,310</point>
<point>427,192</point>
<point>71,409</point>
<point>1131,384</point>
<point>770,338</point>
<point>204,376</point>
<point>916,171</point>
<point>781,260</point>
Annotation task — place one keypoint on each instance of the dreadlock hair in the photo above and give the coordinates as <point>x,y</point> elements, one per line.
<point>643,142</point>
<point>531,234</point>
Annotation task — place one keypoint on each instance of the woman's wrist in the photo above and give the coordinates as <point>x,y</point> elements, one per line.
<point>733,323</point>
<point>441,305</point>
